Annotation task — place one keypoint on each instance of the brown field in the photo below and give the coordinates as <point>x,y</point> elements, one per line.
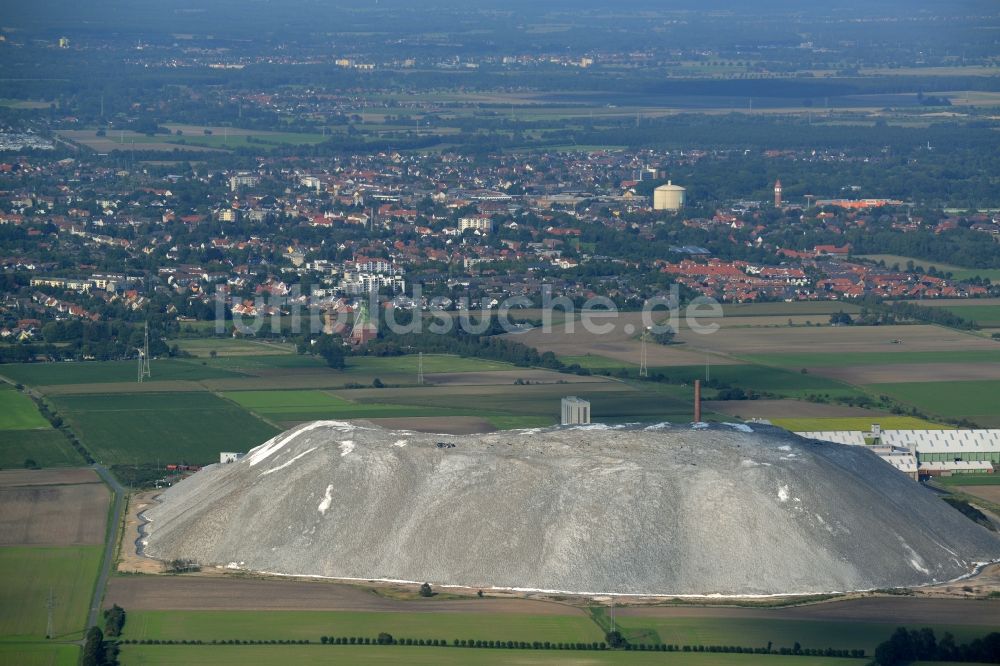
<point>453,394</point>
<point>621,344</point>
<point>232,593</point>
<point>988,493</point>
<point>746,335</point>
<point>51,512</point>
<point>777,409</point>
<point>905,372</point>
<point>42,477</point>
<point>900,610</point>
<point>508,377</point>
<point>447,425</point>
<point>833,340</point>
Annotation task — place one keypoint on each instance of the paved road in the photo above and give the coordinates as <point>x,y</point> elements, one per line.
<point>109,545</point>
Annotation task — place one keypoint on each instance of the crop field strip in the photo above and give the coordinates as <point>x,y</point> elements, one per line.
<point>279,655</point>
<point>18,412</point>
<point>297,625</point>
<point>39,654</point>
<point>166,427</point>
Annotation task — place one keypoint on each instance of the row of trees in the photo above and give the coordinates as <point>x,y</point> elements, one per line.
<point>907,646</point>
<point>97,651</point>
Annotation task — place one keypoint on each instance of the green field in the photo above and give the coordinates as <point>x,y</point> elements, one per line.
<point>267,363</point>
<point>100,372</point>
<point>656,402</point>
<point>48,448</point>
<point>166,427</point>
<point>594,362</point>
<point>281,655</point>
<point>822,359</point>
<point>974,400</point>
<point>755,632</point>
<point>968,480</point>
<point>984,315</point>
<point>28,573</point>
<point>247,625</point>
<point>203,347</point>
<point>39,654</point>
<point>760,378</point>
<point>958,272</point>
<point>18,412</point>
<point>309,405</point>
<point>858,423</point>
<point>432,363</point>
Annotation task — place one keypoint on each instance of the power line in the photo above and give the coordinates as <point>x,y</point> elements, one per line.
<point>643,369</point>
<point>50,605</point>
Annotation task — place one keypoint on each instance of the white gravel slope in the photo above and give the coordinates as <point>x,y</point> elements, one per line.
<point>661,510</point>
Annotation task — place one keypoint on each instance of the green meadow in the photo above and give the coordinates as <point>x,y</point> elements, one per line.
<point>29,573</point>
<point>188,427</point>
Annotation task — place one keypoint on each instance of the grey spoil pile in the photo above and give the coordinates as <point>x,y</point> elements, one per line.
<point>590,509</point>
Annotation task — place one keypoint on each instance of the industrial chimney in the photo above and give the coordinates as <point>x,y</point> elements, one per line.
<point>697,401</point>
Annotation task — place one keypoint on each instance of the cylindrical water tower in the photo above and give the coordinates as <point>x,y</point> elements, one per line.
<point>668,197</point>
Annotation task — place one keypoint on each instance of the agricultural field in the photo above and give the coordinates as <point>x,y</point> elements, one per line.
<point>857,423</point>
<point>277,655</point>
<point>39,654</point>
<point>297,406</point>
<point>969,480</point>
<point>973,400</point>
<point>18,412</point>
<point>94,372</point>
<point>885,341</point>
<point>958,272</point>
<point>759,632</point>
<point>190,427</point>
<point>48,448</point>
<point>70,514</point>
<point>613,402</point>
<point>297,625</point>
<point>984,315</point>
<point>817,359</point>
<point>28,573</point>
<point>191,138</point>
<point>203,347</point>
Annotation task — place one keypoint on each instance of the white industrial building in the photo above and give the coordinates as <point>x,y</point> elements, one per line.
<point>575,410</point>
<point>229,457</point>
<point>926,452</point>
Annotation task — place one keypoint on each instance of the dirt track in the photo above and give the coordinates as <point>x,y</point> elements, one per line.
<point>902,610</point>
<point>229,593</point>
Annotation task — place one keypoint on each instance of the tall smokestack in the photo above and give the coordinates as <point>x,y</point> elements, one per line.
<point>697,401</point>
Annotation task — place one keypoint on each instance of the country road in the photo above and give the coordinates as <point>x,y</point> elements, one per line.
<point>109,544</point>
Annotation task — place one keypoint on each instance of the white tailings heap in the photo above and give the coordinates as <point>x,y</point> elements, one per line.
<point>666,510</point>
